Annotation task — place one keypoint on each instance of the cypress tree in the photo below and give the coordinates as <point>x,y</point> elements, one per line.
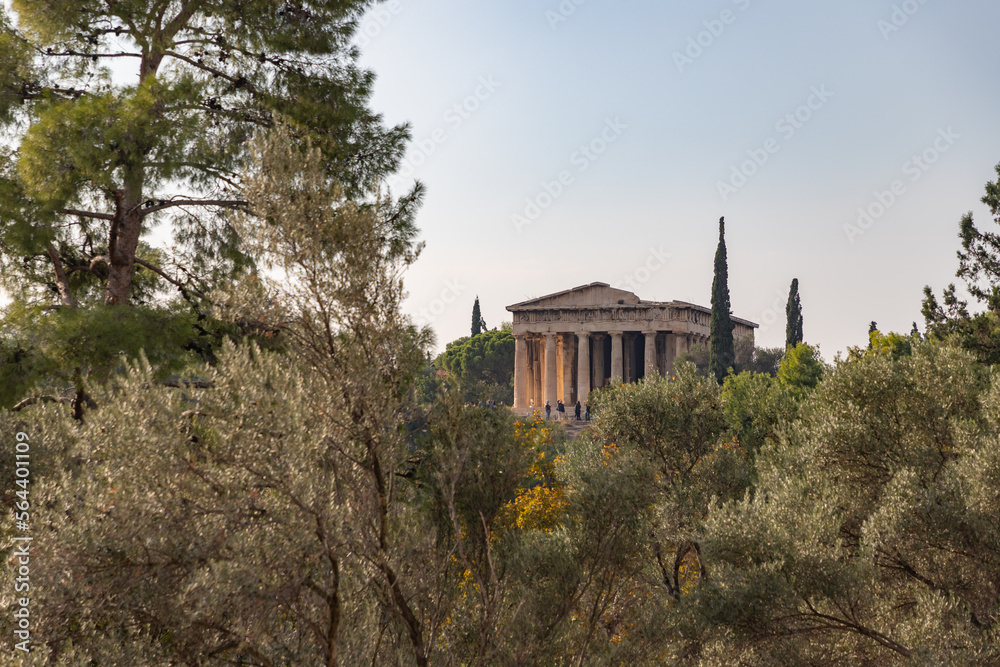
<point>872,328</point>
<point>723,348</point>
<point>793,314</point>
<point>477,319</point>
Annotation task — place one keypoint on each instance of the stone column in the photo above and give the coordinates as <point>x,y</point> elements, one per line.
<point>669,352</point>
<point>680,344</point>
<point>542,370</point>
<point>550,371</point>
<point>597,379</point>
<point>651,365</point>
<point>582,367</point>
<point>567,386</point>
<point>616,356</point>
<point>536,374</point>
<point>560,366</point>
<point>520,372</point>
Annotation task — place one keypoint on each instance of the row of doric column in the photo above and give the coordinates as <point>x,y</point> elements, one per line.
<point>568,366</point>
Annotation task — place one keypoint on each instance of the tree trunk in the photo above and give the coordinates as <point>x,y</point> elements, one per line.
<point>123,240</point>
<point>126,227</point>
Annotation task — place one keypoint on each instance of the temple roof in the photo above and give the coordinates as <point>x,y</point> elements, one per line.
<point>594,294</point>
<point>603,295</point>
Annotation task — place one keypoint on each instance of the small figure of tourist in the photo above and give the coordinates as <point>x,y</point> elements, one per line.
<point>576,412</point>
<point>586,414</point>
<point>560,410</point>
<point>548,410</point>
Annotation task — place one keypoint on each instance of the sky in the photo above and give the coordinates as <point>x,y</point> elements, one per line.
<point>576,141</point>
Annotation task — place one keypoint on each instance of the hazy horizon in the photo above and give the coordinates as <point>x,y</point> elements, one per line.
<point>569,143</point>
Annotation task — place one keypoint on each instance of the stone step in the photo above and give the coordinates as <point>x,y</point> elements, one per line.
<point>569,424</point>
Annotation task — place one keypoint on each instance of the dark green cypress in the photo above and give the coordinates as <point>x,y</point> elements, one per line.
<point>723,348</point>
<point>477,319</point>
<point>793,315</point>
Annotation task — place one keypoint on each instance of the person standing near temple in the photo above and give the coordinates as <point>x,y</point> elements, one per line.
<point>548,410</point>
<point>586,415</point>
<point>560,410</point>
<point>577,411</point>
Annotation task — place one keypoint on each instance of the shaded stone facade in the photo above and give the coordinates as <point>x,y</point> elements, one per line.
<point>571,342</point>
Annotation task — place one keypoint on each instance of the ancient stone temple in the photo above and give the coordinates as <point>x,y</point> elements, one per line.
<point>571,342</point>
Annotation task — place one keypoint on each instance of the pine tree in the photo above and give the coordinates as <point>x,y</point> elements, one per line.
<point>723,348</point>
<point>793,313</point>
<point>872,328</point>
<point>93,162</point>
<point>477,319</point>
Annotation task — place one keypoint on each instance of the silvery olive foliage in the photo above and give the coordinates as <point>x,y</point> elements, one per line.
<point>298,506</point>
<point>872,534</point>
<point>253,514</point>
<point>245,522</point>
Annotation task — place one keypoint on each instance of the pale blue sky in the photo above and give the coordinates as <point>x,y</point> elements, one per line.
<point>552,77</point>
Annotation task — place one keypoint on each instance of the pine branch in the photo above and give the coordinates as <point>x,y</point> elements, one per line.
<point>31,400</point>
<point>239,82</point>
<point>160,272</point>
<point>225,203</point>
<point>65,294</point>
<point>87,214</point>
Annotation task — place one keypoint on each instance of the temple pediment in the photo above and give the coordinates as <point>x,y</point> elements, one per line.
<point>594,294</point>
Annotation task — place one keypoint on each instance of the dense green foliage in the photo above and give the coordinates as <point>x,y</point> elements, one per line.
<point>482,366</point>
<point>722,346</point>
<point>68,345</point>
<point>288,461</point>
<point>332,499</point>
<point>801,368</point>
<point>695,524</point>
<point>893,344</point>
<point>100,161</point>
<point>793,316</point>
<point>867,538</point>
<point>94,161</point>
<point>748,357</point>
<point>755,405</point>
<point>979,269</point>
